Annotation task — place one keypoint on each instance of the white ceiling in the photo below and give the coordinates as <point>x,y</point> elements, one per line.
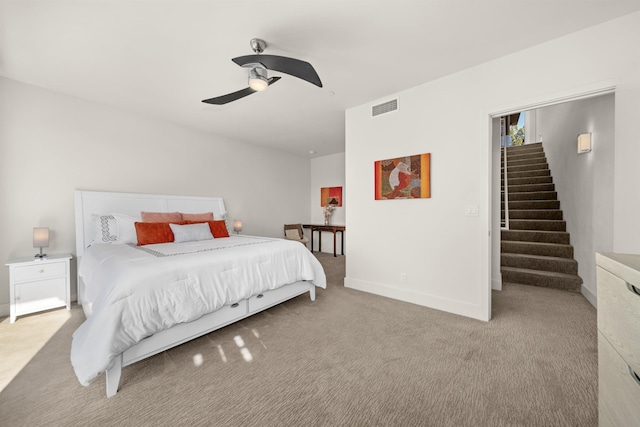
<point>161,58</point>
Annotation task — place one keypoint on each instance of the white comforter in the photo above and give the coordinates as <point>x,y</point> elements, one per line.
<point>138,291</point>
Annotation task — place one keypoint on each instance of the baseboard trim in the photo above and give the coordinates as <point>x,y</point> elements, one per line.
<point>589,296</point>
<point>443,304</point>
<point>496,284</point>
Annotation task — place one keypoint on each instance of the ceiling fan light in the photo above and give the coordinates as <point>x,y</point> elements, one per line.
<point>258,79</point>
<point>258,83</point>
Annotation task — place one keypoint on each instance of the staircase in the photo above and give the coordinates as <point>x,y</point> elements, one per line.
<point>535,250</point>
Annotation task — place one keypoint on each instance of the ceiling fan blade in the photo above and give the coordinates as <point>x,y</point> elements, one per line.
<point>224,99</point>
<point>294,67</point>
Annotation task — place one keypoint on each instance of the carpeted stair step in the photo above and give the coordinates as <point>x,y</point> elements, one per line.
<point>529,159</point>
<point>533,195</point>
<point>533,204</point>
<point>529,148</point>
<point>538,262</point>
<point>536,224</point>
<point>527,162</point>
<point>529,155</point>
<point>530,180</point>
<point>511,151</point>
<point>526,174</point>
<point>530,167</point>
<point>536,248</point>
<point>524,160</point>
<point>531,187</point>
<point>548,279</point>
<point>524,155</point>
<point>542,214</point>
<point>551,214</point>
<point>561,237</point>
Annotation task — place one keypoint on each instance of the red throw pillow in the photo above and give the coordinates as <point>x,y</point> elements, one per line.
<point>154,232</point>
<point>218,228</point>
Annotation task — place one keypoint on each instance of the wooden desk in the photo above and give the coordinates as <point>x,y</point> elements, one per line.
<point>330,228</point>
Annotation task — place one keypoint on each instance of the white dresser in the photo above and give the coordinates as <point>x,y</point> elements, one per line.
<point>618,339</point>
<point>38,284</point>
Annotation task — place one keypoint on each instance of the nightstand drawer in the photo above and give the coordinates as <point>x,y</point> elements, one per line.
<point>44,271</point>
<point>40,295</point>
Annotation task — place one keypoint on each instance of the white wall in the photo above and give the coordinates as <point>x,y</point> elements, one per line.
<point>328,171</point>
<point>52,144</point>
<point>446,255</point>
<point>584,182</point>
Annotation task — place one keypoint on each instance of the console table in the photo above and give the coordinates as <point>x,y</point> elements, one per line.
<point>331,229</point>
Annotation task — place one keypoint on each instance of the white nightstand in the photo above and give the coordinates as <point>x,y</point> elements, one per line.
<point>36,285</point>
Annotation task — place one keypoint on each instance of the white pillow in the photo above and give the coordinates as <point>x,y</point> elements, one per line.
<point>106,228</point>
<point>114,228</point>
<point>191,232</point>
<point>126,228</point>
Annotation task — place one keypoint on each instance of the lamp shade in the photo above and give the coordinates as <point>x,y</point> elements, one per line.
<point>41,240</point>
<point>40,237</point>
<point>237,225</point>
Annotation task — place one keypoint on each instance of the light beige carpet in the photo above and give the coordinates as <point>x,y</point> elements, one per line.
<point>348,359</point>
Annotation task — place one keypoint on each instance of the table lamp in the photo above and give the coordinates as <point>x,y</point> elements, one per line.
<point>41,240</point>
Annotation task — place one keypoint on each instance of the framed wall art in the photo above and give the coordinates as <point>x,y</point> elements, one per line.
<point>331,196</point>
<point>403,178</point>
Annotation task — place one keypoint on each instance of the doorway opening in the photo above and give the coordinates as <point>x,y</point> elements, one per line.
<point>583,183</point>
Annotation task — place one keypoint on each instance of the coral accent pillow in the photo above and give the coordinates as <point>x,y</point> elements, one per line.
<point>200,217</point>
<point>154,232</point>
<point>218,227</point>
<point>161,216</point>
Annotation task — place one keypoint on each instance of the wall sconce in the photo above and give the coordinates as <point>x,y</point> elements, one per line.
<point>41,240</point>
<point>584,143</point>
<point>237,226</point>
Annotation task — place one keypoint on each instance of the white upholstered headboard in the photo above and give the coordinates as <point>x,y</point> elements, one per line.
<point>103,203</point>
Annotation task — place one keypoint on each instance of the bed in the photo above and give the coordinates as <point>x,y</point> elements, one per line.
<point>142,300</point>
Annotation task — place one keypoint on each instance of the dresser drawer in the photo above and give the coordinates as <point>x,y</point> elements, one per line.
<point>619,388</point>
<point>43,271</point>
<point>40,295</point>
<point>619,316</point>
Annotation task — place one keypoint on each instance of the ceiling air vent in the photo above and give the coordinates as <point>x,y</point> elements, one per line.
<point>385,107</point>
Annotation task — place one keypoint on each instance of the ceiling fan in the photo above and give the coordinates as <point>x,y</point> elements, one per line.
<point>258,65</point>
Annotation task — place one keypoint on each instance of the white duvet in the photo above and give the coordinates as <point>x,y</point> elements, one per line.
<point>138,291</point>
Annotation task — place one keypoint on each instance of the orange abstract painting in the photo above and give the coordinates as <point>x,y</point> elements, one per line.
<point>331,196</point>
<point>403,178</point>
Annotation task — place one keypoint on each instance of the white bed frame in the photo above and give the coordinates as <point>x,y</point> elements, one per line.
<point>88,203</point>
